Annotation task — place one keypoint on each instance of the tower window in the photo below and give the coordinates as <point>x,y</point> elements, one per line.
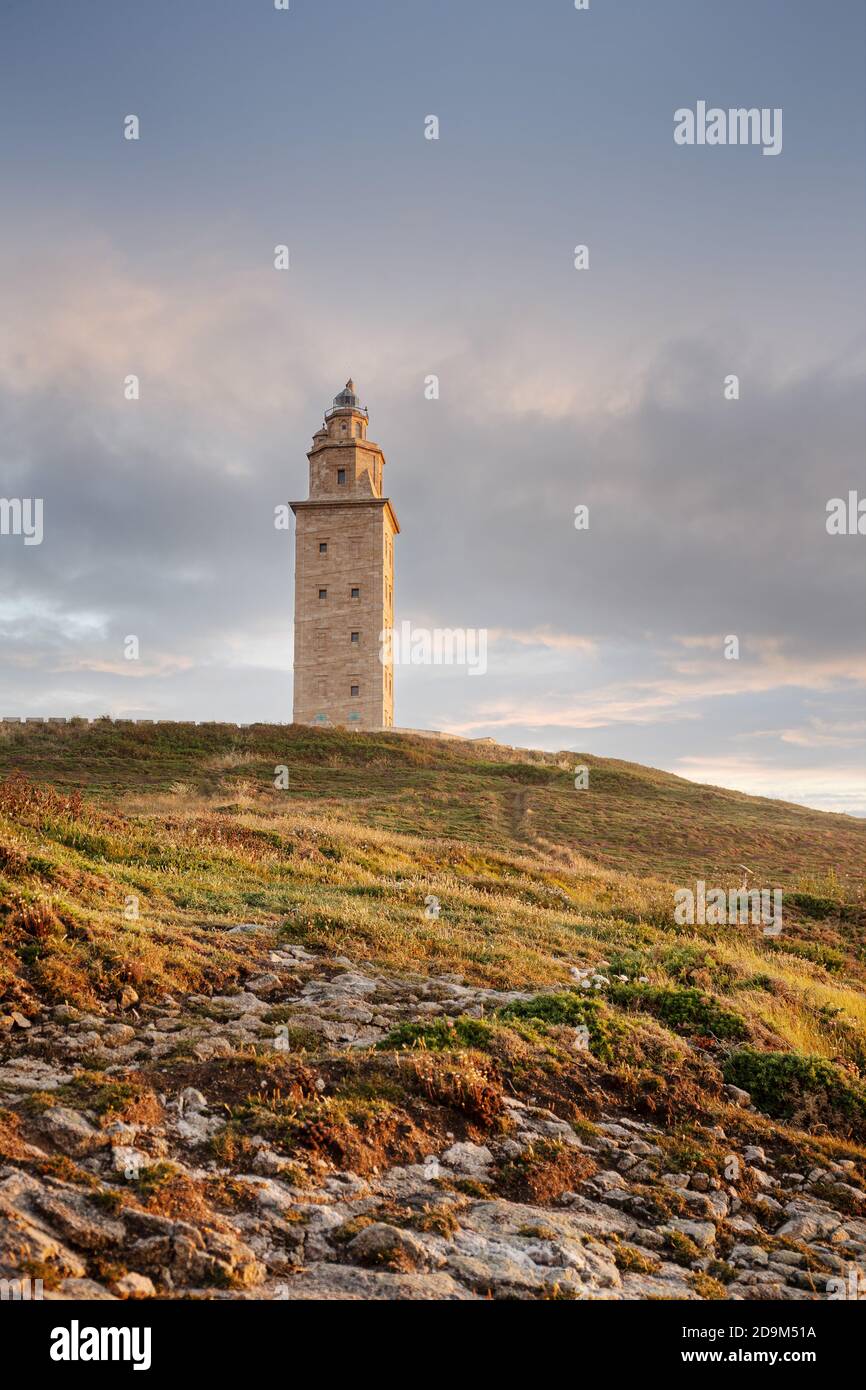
<point>355,593</point>
<point>341,476</point>
<point>323,547</point>
<point>356,636</point>
<point>354,691</point>
<point>323,593</point>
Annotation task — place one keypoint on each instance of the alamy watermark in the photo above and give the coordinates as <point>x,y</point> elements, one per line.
<point>77,1343</point>
<point>846,517</point>
<point>22,516</point>
<point>850,1288</point>
<point>737,126</point>
<point>732,907</point>
<point>438,646</point>
<point>20,1290</point>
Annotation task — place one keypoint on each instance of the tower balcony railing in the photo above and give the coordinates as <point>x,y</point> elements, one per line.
<point>337,409</point>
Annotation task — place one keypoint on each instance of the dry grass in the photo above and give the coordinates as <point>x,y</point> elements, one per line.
<point>187,822</point>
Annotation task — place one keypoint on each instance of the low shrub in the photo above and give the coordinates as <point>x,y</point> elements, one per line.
<point>683,1010</point>
<point>569,1010</point>
<point>811,905</point>
<point>440,1035</point>
<point>809,1090</point>
<point>814,951</point>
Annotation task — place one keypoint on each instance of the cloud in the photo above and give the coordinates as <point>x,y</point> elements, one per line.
<point>818,733</point>
<point>34,624</point>
<point>546,639</point>
<point>675,695</point>
<point>828,788</point>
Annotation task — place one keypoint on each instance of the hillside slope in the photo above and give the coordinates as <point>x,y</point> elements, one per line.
<point>423,1024</point>
<point>633,818</point>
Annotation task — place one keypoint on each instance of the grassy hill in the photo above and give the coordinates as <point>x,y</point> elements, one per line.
<point>530,875</point>
<point>633,818</point>
<point>128,852</point>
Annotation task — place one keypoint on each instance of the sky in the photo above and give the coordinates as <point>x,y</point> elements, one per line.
<point>559,387</point>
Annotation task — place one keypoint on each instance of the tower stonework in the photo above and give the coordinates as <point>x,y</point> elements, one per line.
<point>344,577</point>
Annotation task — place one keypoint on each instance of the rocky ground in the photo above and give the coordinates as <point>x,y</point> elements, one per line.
<point>260,1145</point>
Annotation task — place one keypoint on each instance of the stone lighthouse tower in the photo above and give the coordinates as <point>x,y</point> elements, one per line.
<point>344,577</point>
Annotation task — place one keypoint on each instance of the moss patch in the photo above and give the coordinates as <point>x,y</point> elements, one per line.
<point>809,1090</point>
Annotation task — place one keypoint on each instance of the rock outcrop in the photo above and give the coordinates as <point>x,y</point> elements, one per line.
<point>214,1147</point>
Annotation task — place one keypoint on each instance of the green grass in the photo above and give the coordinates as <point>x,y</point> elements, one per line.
<point>440,1035</point>
<point>531,877</point>
<point>633,818</point>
